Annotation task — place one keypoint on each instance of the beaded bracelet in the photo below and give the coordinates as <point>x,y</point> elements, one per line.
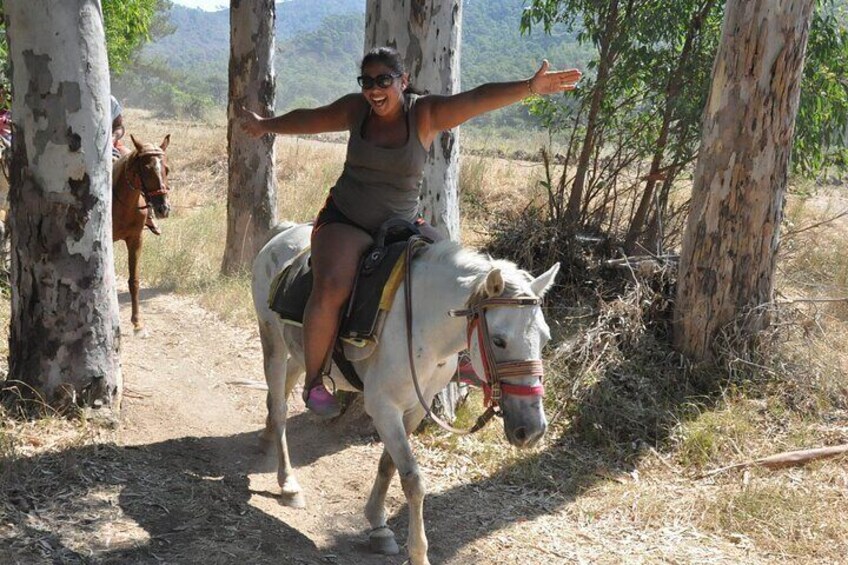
<point>530,87</point>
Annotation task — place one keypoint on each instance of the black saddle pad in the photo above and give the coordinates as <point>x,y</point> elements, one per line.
<point>292,287</point>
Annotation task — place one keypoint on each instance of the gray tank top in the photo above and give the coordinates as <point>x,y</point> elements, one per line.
<point>379,183</point>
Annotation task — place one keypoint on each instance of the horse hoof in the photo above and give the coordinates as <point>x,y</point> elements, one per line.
<point>141,332</point>
<point>291,494</point>
<point>293,499</point>
<point>382,541</point>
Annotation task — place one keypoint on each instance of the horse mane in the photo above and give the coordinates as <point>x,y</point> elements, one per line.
<point>119,167</point>
<point>474,264</point>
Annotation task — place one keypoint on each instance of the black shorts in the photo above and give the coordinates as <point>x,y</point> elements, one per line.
<point>330,214</point>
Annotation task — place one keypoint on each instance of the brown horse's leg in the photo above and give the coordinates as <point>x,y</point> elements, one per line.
<point>133,254</point>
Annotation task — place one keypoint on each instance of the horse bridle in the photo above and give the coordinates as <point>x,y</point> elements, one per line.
<point>495,372</point>
<point>145,192</point>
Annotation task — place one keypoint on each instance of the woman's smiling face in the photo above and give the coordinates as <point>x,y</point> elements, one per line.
<point>384,101</point>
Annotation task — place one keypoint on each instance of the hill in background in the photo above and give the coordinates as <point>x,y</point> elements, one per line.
<point>319,46</point>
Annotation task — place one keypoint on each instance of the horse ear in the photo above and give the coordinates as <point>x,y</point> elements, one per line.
<point>165,142</point>
<point>138,146</point>
<point>494,283</point>
<point>545,281</point>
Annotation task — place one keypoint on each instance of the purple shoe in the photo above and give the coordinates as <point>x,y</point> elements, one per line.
<point>323,404</point>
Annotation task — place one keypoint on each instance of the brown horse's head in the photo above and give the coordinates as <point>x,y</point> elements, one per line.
<point>149,170</point>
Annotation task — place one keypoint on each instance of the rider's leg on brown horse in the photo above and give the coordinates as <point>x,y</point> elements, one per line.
<point>150,222</point>
<point>336,252</point>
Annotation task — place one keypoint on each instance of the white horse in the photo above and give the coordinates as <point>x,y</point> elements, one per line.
<point>509,335</point>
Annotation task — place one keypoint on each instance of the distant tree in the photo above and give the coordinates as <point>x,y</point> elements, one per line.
<point>608,25</point>
<point>127,24</point>
<point>252,192</point>
<point>821,130</point>
<point>64,332</point>
<point>642,109</point>
<point>675,62</point>
<point>727,263</point>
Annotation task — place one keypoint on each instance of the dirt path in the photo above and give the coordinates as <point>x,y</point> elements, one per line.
<point>182,481</point>
<point>179,406</point>
<point>203,493</point>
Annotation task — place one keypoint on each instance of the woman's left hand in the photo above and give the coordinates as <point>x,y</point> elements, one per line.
<point>251,123</point>
<point>551,82</point>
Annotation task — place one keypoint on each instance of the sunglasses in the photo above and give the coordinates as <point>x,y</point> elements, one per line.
<point>381,81</point>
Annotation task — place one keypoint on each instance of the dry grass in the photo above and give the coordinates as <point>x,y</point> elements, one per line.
<point>187,257</point>
<point>632,426</point>
<point>636,425</point>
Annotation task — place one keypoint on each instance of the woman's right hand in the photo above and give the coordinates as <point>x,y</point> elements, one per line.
<point>251,123</point>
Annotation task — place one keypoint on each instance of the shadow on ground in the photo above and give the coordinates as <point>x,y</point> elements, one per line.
<point>144,294</point>
<point>190,498</point>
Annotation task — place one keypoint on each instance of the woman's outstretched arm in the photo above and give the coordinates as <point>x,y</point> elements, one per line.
<point>332,117</point>
<point>445,112</point>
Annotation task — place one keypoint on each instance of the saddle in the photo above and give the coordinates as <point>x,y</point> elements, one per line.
<point>381,271</point>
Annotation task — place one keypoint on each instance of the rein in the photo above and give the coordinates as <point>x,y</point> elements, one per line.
<point>495,372</point>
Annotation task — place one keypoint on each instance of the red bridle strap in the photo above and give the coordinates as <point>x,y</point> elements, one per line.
<point>494,384</point>
<point>523,390</point>
<point>476,315</point>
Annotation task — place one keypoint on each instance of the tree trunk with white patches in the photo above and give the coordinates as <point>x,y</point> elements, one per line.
<point>427,35</point>
<point>252,186</point>
<point>727,263</point>
<point>64,332</point>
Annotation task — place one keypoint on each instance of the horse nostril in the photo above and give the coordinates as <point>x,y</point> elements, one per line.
<point>521,434</point>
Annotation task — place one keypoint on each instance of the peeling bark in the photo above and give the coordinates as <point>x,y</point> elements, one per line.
<point>728,259</point>
<point>64,333</point>
<point>252,186</point>
<point>427,34</point>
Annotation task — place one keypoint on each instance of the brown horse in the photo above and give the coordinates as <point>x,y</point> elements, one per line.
<point>139,183</point>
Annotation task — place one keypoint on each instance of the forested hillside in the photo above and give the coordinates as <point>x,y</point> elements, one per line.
<point>319,45</point>
<point>201,40</point>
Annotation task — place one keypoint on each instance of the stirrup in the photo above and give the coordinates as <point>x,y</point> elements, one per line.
<point>321,402</point>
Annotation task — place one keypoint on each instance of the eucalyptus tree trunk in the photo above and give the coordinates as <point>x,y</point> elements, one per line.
<point>427,35</point>
<point>729,248</point>
<point>252,187</point>
<point>64,331</point>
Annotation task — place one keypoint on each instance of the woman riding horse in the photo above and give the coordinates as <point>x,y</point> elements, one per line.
<point>119,149</point>
<point>391,132</point>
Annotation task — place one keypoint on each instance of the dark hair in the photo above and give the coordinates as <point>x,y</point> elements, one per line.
<point>389,57</point>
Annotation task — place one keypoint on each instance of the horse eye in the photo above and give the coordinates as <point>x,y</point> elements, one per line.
<point>499,342</point>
